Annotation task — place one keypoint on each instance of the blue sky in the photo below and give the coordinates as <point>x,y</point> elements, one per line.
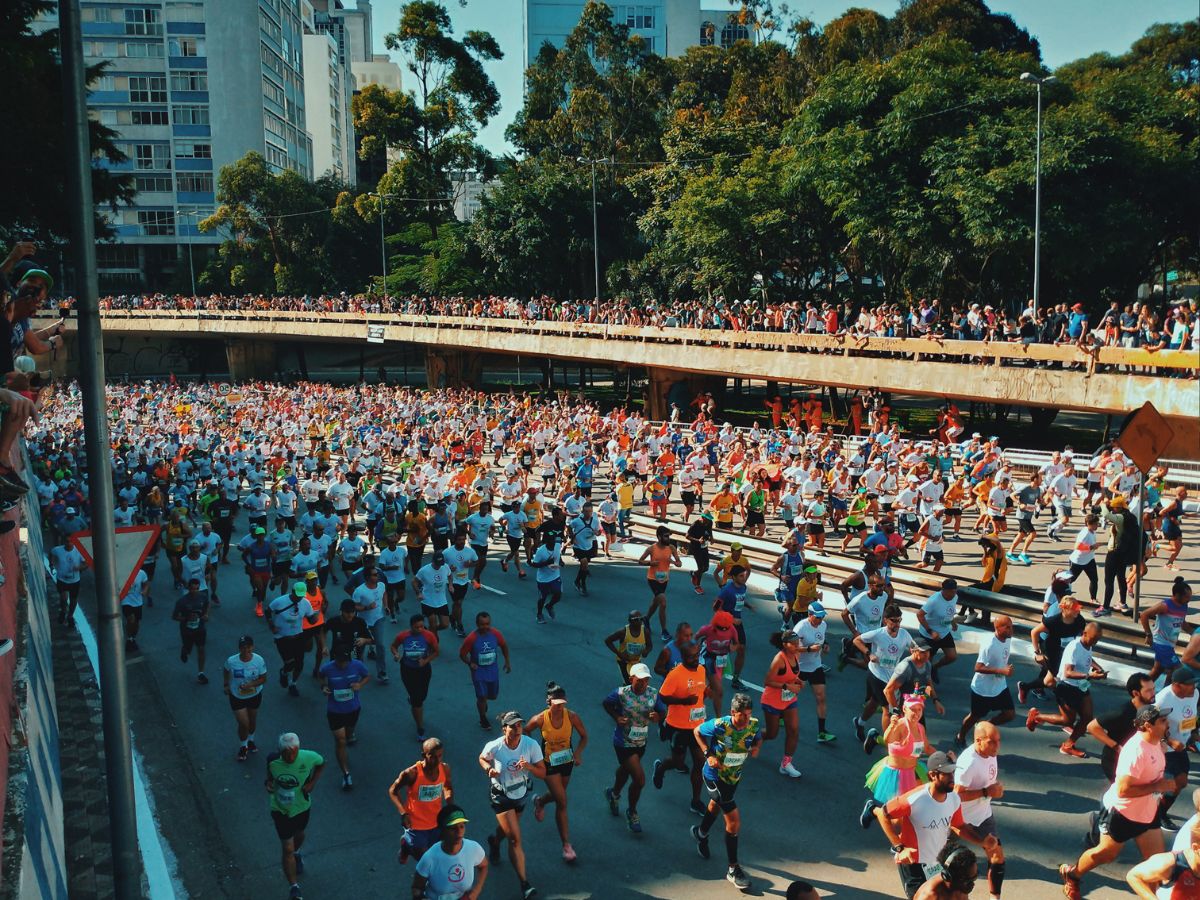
<point>1066,29</point>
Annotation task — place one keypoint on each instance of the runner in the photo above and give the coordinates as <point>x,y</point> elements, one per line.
<point>989,684</point>
<point>959,870</point>
<point>863,613</point>
<point>1076,673</point>
<point>132,605</point>
<point>699,536</point>
<point>259,562</point>
<point>420,793</point>
<point>1130,803</point>
<point>515,521</point>
<point>314,632</point>
<point>781,685</point>
<point>633,707</point>
<point>393,563</point>
<point>659,557</point>
<point>683,692</point>
<point>454,867</point>
<point>558,725</point>
<point>508,761</point>
<point>479,528</point>
<point>719,639</point>
<point>927,816</point>
<point>1169,617</point>
<point>461,560</point>
<point>732,599</point>
<point>368,599</point>
<point>977,784</point>
<point>1026,499</point>
<point>191,612</point>
<point>292,774</point>
<point>901,770</point>
<point>726,743</point>
<point>811,630</point>
<point>547,560</point>
<point>284,617</point>
<point>1176,872</point>
<point>1178,702</point>
<point>66,562</point>
<point>431,581</point>
<point>244,675</point>
<point>631,644</point>
<point>415,650</point>
<point>936,617</point>
<point>341,679</point>
<point>883,649</point>
<point>1048,638</point>
<point>1116,727</point>
<point>583,531</point>
<point>478,652</point>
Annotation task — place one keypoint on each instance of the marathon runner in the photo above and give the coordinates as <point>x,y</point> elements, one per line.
<point>659,557</point>
<point>284,617</point>
<point>420,793</point>
<point>479,652</point>
<point>633,707</point>
<point>508,761</point>
<point>683,692</point>
<point>191,612</point>
<point>341,679</point>
<point>558,726</point>
<point>976,781</point>
<point>415,650</point>
<point>454,867</point>
<point>292,774</point>
<point>244,675</point>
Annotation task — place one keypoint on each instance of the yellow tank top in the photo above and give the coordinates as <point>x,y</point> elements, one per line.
<point>633,648</point>
<point>556,739</point>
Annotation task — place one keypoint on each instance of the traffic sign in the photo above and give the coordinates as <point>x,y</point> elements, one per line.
<point>133,545</point>
<point>1145,436</point>
<point>374,334</point>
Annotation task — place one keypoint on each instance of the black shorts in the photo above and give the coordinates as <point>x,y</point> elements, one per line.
<point>741,631</point>
<point>481,552</point>
<point>656,587</point>
<point>1069,696</point>
<point>945,643</point>
<point>754,518</point>
<point>1025,526</point>
<point>339,720</point>
<point>192,637</point>
<point>875,690</point>
<point>281,568</point>
<point>624,754</point>
<point>609,528</point>
<point>501,802</point>
<point>813,678</point>
<point>680,739</point>
<point>816,528</point>
<point>458,592</point>
<point>416,682</point>
<point>236,702</point>
<point>688,498</point>
<point>1121,829</point>
<point>722,792</point>
<point>514,544</point>
<point>1177,763</point>
<point>981,706</point>
<point>134,611</point>
<point>589,553</point>
<point>70,588</point>
<point>429,611</point>
<point>933,557</point>
<point>287,827</point>
<point>563,769</point>
<point>953,512</point>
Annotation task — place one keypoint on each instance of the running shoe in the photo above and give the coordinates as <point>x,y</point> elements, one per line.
<point>477,585</point>
<point>293,691</point>
<point>1022,693</point>
<point>541,620</point>
<point>503,565</point>
<point>860,729</point>
<point>242,754</point>
<point>867,816</point>
<point>1024,557</point>
<point>789,770</point>
<point>666,635</point>
<point>633,821</point>
<point>283,678</point>
<point>1069,749</point>
<point>299,862</point>
<point>1012,558</point>
<point>1124,610</point>
<point>737,683</point>
<point>738,878</point>
<point>871,741</point>
<point>1031,720</point>
<point>701,842</point>
<point>1070,882</point>
<point>421,734</point>
<point>460,631</point>
<point>251,746</point>
<point>549,611</point>
<point>202,678</point>
<point>614,806</point>
<point>842,661</point>
<point>258,609</point>
<point>1100,612</point>
<point>824,737</point>
<point>1040,693</point>
<point>493,849</point>
<point>659,771</point>
<point>294,893</point>
<point>347,782</point>
<point>520,574</point>
<point>485,724</point>
<point>527,890</point>
<point>697,589</point>
<point>382,678</point>
<point>568,853</point>
<point>539,809</point>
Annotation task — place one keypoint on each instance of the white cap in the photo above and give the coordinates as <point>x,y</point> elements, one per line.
<point>639,670</point>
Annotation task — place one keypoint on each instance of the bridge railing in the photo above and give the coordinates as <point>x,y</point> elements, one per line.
<point>996,353</point>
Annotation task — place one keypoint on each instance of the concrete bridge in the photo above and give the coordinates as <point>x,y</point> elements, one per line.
<point>1107,380</point>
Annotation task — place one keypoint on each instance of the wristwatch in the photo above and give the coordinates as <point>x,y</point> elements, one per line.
<point>897,848</point>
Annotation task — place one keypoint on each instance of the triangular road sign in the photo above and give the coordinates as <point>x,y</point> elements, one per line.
<point>133,545</point>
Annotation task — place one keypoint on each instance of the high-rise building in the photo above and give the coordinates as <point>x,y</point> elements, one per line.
<point>468,190</point>
<point>328,93</point>
<point>669,27</point>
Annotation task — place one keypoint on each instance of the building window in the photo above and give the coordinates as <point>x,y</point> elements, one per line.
<point>106,116</point>
<point>186,46</point>
<point>189,114</point>
<point>275,125</point>
<point>153,184</point>
<point>639,16</point>
<point>147,89</point>
<point>276,157</point>
<point>95,14</point>
<point>193,150</point>
<point>149,117</point>
<point>143,22</point>
<point>189,81</point>
<point>101,49</point>
<point>185,12</point>
<point>708,34</point>
<point>732,33</point>
<point>143,49</point>
<point>116,256</point>
<point>156,222</point>
<point>194,182</point>
<point>273,92</point>
<point>152,156</point>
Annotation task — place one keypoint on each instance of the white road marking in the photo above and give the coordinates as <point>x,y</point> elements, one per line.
<point>487,587</point>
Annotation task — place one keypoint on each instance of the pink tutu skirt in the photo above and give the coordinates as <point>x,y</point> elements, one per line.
<point>885,781</point>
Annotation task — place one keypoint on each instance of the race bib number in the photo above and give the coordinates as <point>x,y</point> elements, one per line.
<point>660,577</point>
<point>918,748</point>
<point>285,796</point>
<point>721,660</point>
<point>637,733</point>
<point>787,696</point>
<point>245,689</point>
<point>486,658</point>
<point>429,793</point>
<point>733,760</point>
<point>1188,724</point>
<point>931,869</point>
<point>696,714</point>
<point>193,624</point>
<point>562,757</point>
<point>341,695</point>
<point>414,653</point>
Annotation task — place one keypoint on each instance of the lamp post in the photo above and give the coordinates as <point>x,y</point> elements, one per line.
<point>595,231</point>
<point>188,234</point>
<point>1037,188</point>
<point>382,245</point>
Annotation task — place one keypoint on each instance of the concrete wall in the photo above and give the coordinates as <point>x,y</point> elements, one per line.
<point>35,860</point>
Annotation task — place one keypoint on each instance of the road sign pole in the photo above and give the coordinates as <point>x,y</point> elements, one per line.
<point>118,747</point>
<point>1141,548</point>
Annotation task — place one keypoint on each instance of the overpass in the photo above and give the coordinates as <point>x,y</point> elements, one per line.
<point>1107,380</point>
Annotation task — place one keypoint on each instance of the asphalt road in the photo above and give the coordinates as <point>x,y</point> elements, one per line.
<point>213,810</point>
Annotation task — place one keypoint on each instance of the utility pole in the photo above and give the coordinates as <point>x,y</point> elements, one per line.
<point>1030,78</point>
<point>118,746</point>
<point>595,229</point>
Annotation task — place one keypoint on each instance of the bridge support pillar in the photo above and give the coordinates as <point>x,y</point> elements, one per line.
<point>669,386</point>
<point>452,368</point>
<point>250,360</point>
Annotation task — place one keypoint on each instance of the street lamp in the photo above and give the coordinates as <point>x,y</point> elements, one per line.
<point>382,246</point>
<point>1037,189</point>
<point>595,234</point>
<point>191,264</point>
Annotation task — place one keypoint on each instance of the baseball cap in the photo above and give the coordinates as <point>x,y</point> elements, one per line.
<point>309,576</point>
<point>245,641</point>
<point>941,762</point>
<point>817,608</point>
<point>1183,675</point>
<point>452,815</point>
<point>1147,715</point>
<point>299,589</point>
<point>722,619</point>
<point>70,510</point>
<point>512,717</point>
<point>922,647</point>
<point>260,530</point>
<point>735,546</point>
<point>639,670</point>
<point>38,273</point>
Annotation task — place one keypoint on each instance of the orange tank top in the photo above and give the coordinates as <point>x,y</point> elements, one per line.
<point>425,799</point>
<point>660,563</point>
<point>317,602</point>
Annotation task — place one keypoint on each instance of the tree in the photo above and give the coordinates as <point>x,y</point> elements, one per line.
<point>34,200</point>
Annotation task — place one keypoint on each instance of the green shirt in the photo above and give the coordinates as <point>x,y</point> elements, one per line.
<point>288,797</point>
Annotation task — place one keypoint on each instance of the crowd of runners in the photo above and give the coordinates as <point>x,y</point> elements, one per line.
<point>362,523</point>
<point>1134,325</point>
